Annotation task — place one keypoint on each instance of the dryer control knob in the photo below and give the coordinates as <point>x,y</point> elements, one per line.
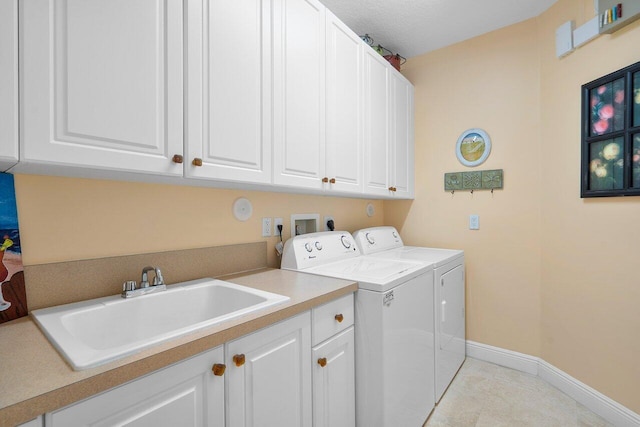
<point>395,234</point>
<point>345,242</point>
<point>370,238</point>
<point>308,247</point>
<point>318,246</point>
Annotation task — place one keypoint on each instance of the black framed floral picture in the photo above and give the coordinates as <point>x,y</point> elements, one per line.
<point>611,135</point>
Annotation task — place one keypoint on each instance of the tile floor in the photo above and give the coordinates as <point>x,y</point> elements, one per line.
<point>488,395</point>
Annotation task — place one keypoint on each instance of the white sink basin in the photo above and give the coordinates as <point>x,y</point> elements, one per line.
<point>94,332</point>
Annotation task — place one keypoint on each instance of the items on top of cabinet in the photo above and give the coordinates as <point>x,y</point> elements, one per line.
<point>394,59</point>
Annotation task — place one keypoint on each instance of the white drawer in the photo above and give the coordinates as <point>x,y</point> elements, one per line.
<point>331,318</point>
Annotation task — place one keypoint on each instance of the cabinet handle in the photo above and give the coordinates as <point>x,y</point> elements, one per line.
<point>238,359</point>
<point>339,318</point>
<point>218,369</point>
<point>325,179</point>
<point>392,188</point>
<point>322,362</point>
<point>197,162</point>
<point>177,158</point>
<point>332,181</point>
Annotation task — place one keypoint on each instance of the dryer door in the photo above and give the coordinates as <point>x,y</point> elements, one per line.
<point>451,344</point>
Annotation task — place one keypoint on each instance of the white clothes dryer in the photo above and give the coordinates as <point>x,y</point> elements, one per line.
<point>394,332</point>
<point>449,294</point>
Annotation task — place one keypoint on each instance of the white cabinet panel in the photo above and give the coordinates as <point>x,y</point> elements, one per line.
<point>402,152</point>
<point>185,394</point>
<point>376,124</point>
<point>8,83</point>
<point>334,382</point>
<point>299,93</point>
<point>344,107</point>
<point>102,83</point>
<point>229,86</point>
<point>272,384</point>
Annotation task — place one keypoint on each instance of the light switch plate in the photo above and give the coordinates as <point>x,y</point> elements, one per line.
<point>474,222</point>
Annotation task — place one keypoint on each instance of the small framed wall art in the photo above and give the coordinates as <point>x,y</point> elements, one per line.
<point>473,147</point>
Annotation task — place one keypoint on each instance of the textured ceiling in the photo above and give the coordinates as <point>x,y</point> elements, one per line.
<point>414,27</point>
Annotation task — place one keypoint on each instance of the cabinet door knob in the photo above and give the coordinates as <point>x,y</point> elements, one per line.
<point>197,162</point>
<point>332,181</point>
<point>339,318</point>
<point>177,158</point>
<point>238,359</point>
<point>390,188</point>
<point>218,369</point>
<point>325,179</point>
<point>322,362</point>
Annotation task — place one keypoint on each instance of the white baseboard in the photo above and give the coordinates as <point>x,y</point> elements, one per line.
<point>597,402</point>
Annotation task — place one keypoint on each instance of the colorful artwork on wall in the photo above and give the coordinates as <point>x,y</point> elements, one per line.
<point>13,297</point>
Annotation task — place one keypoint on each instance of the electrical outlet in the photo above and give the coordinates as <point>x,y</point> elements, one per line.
<point>474,222</point>
<point>327,219</point>
<point>266,227</point>
<point>276,222</point>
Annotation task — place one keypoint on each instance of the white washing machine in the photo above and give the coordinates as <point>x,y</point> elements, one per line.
<point>385,243</point>
<point>394,331</point>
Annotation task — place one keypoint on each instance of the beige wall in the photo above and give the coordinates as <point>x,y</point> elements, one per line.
<point>64,219</point>
<point>548,273</point>
<point>590,285</point>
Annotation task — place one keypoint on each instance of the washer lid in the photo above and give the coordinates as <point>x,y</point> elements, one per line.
<point>375,274</point>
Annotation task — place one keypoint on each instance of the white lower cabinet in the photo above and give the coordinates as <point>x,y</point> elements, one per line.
<point>265,379</point>
<point>334,364</point>
<point>334,382</point>
<point>269,376</point>
<point>36,422</point>
<point>185,394</point>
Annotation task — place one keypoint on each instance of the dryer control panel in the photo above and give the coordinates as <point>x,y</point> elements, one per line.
<point>376,239</point>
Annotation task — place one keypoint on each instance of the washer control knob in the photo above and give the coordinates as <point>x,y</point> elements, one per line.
<point>345,242</point>
<point>395,235</point>
<point>308,247</point>
<point>319,246</point>
<point>370,238</point>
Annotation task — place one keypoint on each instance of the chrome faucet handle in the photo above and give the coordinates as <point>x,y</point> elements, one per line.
<point>158,280</point>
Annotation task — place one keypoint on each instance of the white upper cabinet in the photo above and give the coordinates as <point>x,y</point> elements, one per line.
<point>376,124</point>
<point>102,84</point>
<point>8,83</point>
<point>228,102</point>
<point>343,107</point>
<point>401,178</point>
<point>298,56</point>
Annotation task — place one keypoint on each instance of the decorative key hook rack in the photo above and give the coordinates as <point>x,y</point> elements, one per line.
<point>476,180</point>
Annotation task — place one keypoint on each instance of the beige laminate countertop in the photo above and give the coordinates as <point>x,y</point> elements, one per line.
<point>35,379</point>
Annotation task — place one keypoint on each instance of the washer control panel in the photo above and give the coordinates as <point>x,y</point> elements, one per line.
<point>309,250</point>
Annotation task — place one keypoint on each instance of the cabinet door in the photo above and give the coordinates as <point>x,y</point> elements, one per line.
<point>269,376</point>
<point>102,84</point>
<point>229,89</point>
<point>8,83</point>
<point>344,107</point>
<point>185,394</point>
<point>334,382</point>
<point>402,152</point>
<point>376,124</point>
<point>299,93</point>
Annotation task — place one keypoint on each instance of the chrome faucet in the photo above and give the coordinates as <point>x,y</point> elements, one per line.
<point>129,288</point>
<point>157,280</point>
